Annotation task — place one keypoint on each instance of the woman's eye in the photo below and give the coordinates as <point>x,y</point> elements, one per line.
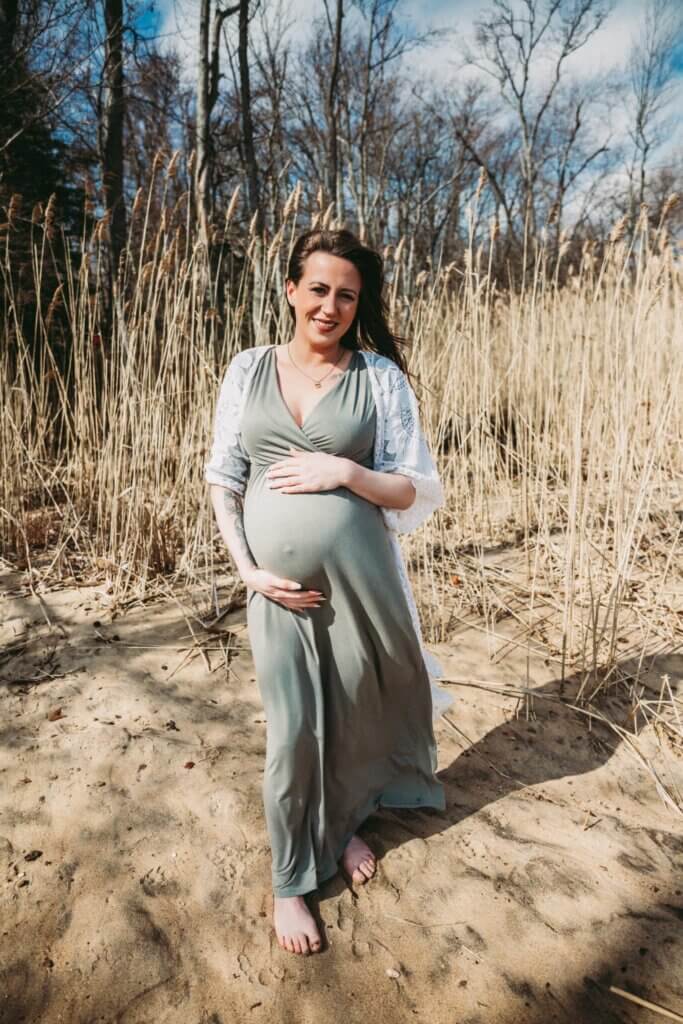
<point>319,290</point>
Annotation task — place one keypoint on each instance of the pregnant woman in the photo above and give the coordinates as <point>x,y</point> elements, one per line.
<point>318,460</point>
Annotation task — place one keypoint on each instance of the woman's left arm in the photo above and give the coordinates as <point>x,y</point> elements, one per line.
<point>391,490</point>
<point>303,472</point>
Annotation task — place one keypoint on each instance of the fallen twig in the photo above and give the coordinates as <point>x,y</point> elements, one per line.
<point>655,1007</point>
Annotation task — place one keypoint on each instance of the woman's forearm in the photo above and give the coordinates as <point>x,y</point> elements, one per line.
<point>392,490</point>
<point>227,506</point>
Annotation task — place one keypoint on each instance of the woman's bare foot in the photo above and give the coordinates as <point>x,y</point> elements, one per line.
<point>295,927</point>
<point>358,860</point>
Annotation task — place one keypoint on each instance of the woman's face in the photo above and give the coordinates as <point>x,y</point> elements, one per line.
<point>325,300</point>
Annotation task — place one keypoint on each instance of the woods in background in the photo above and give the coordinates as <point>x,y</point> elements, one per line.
<point>128,154</point>
<point>345,105</point>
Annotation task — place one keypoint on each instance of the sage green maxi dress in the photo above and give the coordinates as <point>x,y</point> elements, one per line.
<point>344,686</point>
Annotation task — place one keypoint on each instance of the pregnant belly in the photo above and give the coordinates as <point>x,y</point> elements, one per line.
<point>300,536</point>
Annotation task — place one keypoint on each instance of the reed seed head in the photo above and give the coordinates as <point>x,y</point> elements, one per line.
<point>14,208</point>
<point>292,200</point>
<point>619,229</point>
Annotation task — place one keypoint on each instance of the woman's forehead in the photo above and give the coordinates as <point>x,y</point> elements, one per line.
<point>329,269</point>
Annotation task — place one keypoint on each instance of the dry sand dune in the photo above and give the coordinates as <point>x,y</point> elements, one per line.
<point>136,860</point>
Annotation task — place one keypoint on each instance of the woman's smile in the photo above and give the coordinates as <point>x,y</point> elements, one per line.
<point>325,325</point>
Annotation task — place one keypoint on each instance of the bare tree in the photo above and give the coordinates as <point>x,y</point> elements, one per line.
<point>37,54</point>
<point>255,208</point>
<point>652,73</point>
<point>210,25</point>
<point>514,41</point>
<point>113,118</point>
<point>8,28</point>
<point>156,99</point>
<point>372,90</point>
<point>272,60</point>
<point>335,188</point>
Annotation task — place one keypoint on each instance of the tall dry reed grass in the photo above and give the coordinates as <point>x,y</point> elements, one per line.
<point>554,412</point>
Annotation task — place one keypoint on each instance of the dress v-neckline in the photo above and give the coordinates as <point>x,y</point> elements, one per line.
<point>322,397</point>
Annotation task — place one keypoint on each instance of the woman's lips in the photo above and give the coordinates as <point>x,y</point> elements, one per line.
<point>324,326</point>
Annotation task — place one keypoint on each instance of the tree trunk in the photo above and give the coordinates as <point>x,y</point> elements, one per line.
<point>334,178</point>
<point>8,28</point>
<point>247,124</point>
<point>114,112</point>
<point>203,161</point>
<point>259,270</point>
<point>207,94</point>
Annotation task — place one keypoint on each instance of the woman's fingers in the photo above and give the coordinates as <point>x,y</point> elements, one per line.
<point>290,593</point>
<point>282,583</point>
<point>284,481</point>
<point>300,600</point>
<point>293,587</point>
<point>304,599</point>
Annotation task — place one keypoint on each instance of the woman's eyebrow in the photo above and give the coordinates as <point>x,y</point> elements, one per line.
<point>343,289</point>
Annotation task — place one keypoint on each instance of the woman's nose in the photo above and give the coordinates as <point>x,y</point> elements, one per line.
<point>329,305</point>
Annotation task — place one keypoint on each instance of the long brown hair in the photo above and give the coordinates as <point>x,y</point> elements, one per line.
<point>370,328</point>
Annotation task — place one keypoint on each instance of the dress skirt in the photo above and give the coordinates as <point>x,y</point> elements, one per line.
<point>344,686</point>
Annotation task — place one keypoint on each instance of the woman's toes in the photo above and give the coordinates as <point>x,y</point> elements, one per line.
<point>364,872</point>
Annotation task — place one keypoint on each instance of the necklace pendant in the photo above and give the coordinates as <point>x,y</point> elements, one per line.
<point>318,383</point>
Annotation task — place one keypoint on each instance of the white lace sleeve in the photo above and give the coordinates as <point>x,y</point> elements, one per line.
<point>405,450</point>
<point>228,464</point>
<point>400,447</point>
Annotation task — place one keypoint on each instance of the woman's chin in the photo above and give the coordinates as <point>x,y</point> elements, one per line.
<point>322,338</point>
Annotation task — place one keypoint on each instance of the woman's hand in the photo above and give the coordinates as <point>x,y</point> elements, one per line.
<point>308,471</point>
<point>286,592</point>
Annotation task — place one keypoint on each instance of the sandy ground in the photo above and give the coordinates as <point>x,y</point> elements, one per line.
<point>136,863</point>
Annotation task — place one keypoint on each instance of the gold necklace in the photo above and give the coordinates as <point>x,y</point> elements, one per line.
<point>318,383</point>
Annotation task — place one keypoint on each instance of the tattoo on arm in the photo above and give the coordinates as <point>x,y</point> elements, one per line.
<point>233,506</point>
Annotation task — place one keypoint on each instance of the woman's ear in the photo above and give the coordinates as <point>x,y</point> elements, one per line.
<point>289,289</point>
